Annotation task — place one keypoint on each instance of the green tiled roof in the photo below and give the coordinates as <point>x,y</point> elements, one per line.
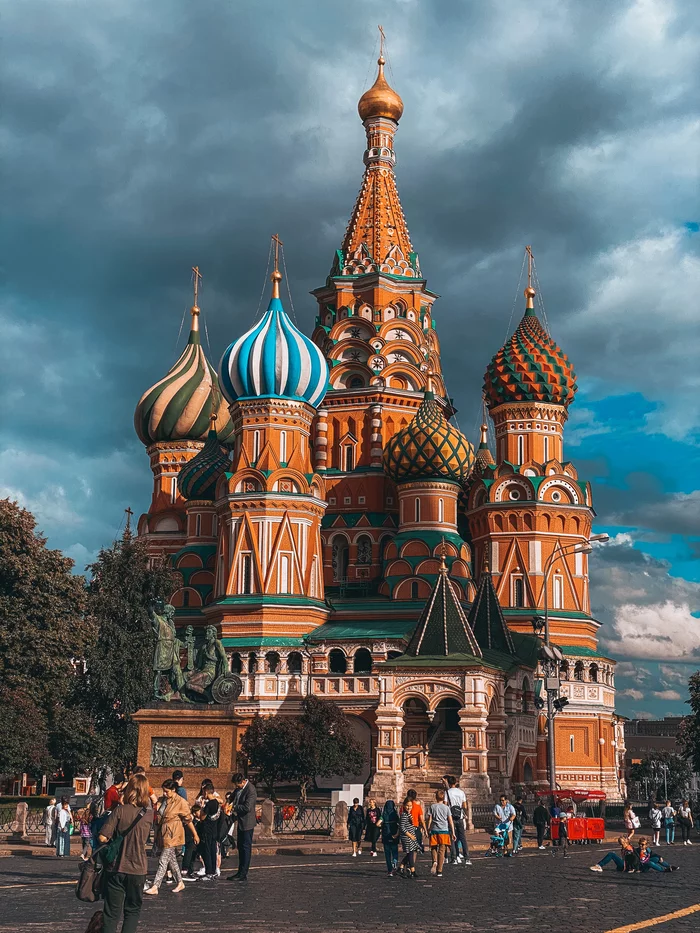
<point>375,519</point>
<point>443,629</point>
<point>262,642</point>
<point>486,618</point>
<point>347,631</point>
<point>579,651</point>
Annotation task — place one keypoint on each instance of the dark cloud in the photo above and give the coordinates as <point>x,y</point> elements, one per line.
<point>144,138</point>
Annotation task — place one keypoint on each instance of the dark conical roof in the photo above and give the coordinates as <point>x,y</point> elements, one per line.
<point>486,618</point>
<point>443,628</point>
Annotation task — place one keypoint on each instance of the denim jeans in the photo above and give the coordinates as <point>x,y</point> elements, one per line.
<point>517,836</point>
<point>62,842</point>
<point>612,857</point>
<point>391,854</point>
<point>670,833</point>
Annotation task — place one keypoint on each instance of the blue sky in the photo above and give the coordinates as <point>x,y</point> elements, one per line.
<point>142,139</point>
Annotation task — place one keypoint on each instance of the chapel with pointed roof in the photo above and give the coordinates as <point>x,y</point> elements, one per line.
<point>347,540</point>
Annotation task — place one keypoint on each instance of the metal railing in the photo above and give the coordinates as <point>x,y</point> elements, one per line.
<point>300,819</point>
<point>8,817</point>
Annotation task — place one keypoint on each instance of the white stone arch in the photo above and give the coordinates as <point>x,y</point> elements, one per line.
<point>569,487</point>
<point>517,482</point>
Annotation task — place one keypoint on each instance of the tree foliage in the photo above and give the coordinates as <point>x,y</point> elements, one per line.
<point>270,745</point>
<point>689,734</point>
<point>118,680</point>
<point>650,774</point>
<point>44,635</point>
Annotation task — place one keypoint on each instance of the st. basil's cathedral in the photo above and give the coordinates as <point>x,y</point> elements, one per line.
<point>347,541</point>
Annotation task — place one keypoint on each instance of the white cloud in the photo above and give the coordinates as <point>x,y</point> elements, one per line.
<point>675,674</point>
<point>634,694</point>
<point>665,631</point>
<point>667,695</point>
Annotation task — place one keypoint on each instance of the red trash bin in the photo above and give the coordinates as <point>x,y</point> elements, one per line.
<point>595,829</point>
<point>576,828</point>
<point>554,830</point>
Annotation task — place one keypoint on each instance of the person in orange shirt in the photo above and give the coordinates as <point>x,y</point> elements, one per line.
<point>417,818</point>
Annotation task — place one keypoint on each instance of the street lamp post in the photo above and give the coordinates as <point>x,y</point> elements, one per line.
<point>552,656</point>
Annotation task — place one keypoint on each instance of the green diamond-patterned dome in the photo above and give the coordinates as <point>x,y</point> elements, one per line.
<point>198,478</point>
<point>428,448</point>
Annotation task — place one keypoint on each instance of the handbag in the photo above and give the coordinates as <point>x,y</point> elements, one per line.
<point>636,821</point>
<point>456,811</point>
<point>91,881</point>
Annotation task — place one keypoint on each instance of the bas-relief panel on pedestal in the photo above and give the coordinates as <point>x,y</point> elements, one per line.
<point>184,753</point>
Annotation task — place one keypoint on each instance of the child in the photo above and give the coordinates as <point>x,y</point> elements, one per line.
<point>85,833</point>
<point>356,822</point>
<point>191,848</point>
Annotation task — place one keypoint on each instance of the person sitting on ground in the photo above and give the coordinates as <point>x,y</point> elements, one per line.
<point>540,817</point>
<point>648,860</point>
<point>356,821</point>
<point>627,860</point>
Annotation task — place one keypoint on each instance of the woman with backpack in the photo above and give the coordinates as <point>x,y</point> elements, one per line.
<point>131,822</point>
<point>655,818</point>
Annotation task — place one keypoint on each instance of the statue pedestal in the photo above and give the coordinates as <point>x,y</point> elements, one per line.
<point>200,741</point>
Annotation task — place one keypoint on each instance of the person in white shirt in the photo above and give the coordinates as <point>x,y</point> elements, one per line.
<point>655,817</point>
<point>50,823</point>
<point>669,815</point>
<point>456,800</point>
<point>504,811</point>
<point>685,818</point>
<point>64,821</point>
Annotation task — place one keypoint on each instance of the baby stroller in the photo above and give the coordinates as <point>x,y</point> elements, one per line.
<point>498,839</point>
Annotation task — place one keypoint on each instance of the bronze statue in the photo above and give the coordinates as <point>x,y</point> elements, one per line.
<point>211,663</point>
<point>166,661</point>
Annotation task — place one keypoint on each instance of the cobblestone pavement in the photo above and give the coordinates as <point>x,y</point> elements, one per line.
<point>532,892</point>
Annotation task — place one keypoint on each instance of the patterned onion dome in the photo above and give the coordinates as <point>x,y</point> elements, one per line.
<point>274,359</point>
<point>197,479</point>
<point>178,407</point>
<point>428,448</point>
<point>530,367</point>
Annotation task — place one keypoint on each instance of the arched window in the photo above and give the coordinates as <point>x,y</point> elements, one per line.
<point>294,662</point>
<point>441,510</point>
<point>356,382</point>
<point>252,662</point>
<point>593,673</point>
<point>558,592</point>
<point>414,590</point>
<point>417,509</point>
<point>521,449</point>
<point>364,550</point>
<point>337,662</point>
<point>564,670</point>
<point>578,671</point>
<point>340,559</point>
<point>283,446</point>
<point>236,663</point>
<point>272,662</point>
<point>362,662</point>
<point>518,592</point>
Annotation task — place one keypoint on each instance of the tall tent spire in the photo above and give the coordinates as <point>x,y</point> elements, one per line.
<point>443,629</point>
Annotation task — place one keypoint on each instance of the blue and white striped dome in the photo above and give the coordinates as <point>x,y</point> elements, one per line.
<point>274,359</point>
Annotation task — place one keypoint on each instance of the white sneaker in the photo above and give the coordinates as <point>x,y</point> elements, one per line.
<point>541,847</point>
<point>354,854</point>
<point>467,861</point>
<point>596,868</point>
<point>201,873</point>
<point>459,860</point>
<point>359,851</point>
<point>218,872</point>
<point>374,855</point>
<point>689,843</point>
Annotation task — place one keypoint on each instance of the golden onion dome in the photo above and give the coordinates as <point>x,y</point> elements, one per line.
<point>380,100</point>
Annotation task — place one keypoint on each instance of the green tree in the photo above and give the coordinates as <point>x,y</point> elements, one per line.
<point>689,734</point>
<point>270,744</point>
<point>651,772</point>
<point>118,679</point>
<point>44,635</point>
<point>326,744</point>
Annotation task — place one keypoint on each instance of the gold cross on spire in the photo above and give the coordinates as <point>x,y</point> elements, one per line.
<point>129,513</point>
<point>196,278</point>
<point>529,291</point>
<point>276,276</point>
<point>382,40</point>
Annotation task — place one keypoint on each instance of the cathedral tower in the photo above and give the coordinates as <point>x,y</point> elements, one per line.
<point>376,329</point>
<point>270,503</point>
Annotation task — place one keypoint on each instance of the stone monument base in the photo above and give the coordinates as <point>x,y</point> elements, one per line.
<point>200,741</point>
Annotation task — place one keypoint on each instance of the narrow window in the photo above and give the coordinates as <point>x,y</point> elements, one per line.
<point>441,510</point>
<point>283,446</point>
<point>222,582</point>
<point>546,449</point>
<point>214,526</point>
<point>173,489</point>
<point>414,590</point>
<point>256,445</point>
<point>417,510</point>
<point>185,597</point>
<point>518,592</point>
<point>349,458</point>
<point>198,526</point>
<point>571,743</point>
<point>521,449</point>
<point>284,574</point>
<point>558,593</point>
<point>246,573</point>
